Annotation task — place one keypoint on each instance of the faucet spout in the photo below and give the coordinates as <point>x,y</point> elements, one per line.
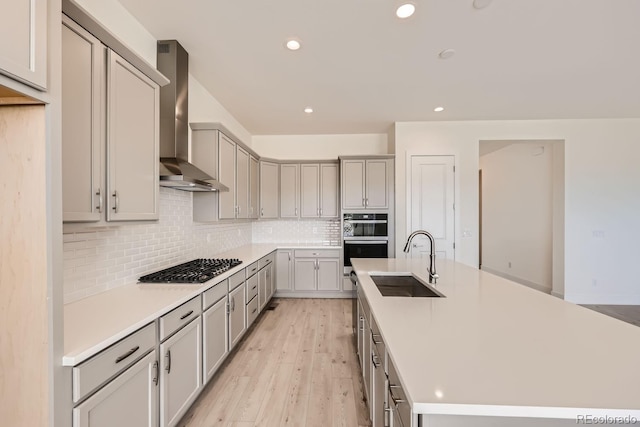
<point>433,276</point>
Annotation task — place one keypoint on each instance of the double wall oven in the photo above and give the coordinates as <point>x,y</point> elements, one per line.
<point>366,235</point>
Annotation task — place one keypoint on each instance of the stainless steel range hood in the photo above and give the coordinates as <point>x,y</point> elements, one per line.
<point>175,170</point>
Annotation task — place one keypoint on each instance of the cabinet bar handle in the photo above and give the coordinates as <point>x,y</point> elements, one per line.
<point>375,362</point>
<point>168,356</point>
<point>254,310</point>
<point>261,211</point>
<point>127,354</point>
<point>373,338</point>
<point>296,212</point>
<point>115,201</point>
<point>99,194</point>
<point>186,315</point>
<point>156,367</point>
<point>254,287</point>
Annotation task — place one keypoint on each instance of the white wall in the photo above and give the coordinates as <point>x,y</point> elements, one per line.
<point>517,207</point>
<point>316,147</point>
<point>602,195</point>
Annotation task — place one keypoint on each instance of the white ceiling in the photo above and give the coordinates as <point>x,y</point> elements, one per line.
<point>361,68</point>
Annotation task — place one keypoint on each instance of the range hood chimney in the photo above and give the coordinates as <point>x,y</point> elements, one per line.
<point>175,170</point>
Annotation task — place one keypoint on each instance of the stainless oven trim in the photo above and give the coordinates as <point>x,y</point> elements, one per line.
<point>347,241</point>
<point>365,239</point>
<point>366,221</point>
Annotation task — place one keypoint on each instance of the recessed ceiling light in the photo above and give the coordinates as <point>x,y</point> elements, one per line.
<point>447,53</point>
<point>481,4</point>
<point>438,109</point>
<point>406,10</point>
<point>293,44</point>
<point>308,110</point>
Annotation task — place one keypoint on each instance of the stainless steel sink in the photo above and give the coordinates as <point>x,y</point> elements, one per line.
<point>403,285</point>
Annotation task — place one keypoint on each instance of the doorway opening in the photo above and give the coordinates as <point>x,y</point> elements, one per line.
<point>521,212</point>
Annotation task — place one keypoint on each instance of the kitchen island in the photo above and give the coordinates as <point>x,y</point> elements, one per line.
<point>496,353</point>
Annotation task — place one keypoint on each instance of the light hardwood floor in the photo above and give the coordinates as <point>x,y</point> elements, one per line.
<point>295,367</point>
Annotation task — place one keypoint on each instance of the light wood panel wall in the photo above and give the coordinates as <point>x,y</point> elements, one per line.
<point>24,347</point>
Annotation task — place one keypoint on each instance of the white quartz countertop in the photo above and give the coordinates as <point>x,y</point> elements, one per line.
<point>94,323</point>
<point>494,347</point>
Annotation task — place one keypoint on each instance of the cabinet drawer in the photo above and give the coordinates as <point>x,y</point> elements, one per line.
<point>94,372</point>
<point>317,253</point>
<point>177,318</point>
<point>376,338</point>
<point>215,294</point>
<point>266,260</point>
<point>252,269</point>
<point>252,287</point>
<point>252,311</point>
<point>236,280</point>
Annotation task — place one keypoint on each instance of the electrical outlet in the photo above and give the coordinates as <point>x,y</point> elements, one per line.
<point>594,283</point>
<point>598,234</point>
<point>509,264</point>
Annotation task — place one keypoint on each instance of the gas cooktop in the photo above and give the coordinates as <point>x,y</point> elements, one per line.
<point>196,271</point>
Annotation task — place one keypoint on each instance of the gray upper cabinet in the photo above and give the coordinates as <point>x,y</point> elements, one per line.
<point>227,176</point>
<point>366,183</point>
<point>133,142</point>
<point>83,136</point>
<point>23,41</point>
<point>318,190</point>
<point>242,183</point>
<point>289,190</point>
<point>269,174</point>
<point>110,129</point>
<point>254,186</point>
<point>309,191</point>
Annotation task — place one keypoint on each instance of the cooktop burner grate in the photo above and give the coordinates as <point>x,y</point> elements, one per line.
<point>196,271</point>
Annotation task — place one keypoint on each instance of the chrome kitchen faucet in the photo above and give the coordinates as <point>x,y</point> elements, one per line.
<point>433,276</point>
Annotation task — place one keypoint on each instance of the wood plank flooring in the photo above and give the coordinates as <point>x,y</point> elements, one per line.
<point>626,313</point>
<point>295,367</point>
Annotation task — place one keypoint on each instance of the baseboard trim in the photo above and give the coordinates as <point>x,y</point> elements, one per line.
<point>518,280</point>
<point>557,294</point>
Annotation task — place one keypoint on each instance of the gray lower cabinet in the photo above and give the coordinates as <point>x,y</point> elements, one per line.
<point>284,269</point>
<point>317,270</point>
<point>130,400</point>
<point>237,315</point>
<point>266,285</point>
<point>215,339</point>
<point>181,367</point>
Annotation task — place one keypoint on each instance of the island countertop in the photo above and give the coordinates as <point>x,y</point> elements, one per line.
<point>497,348</point>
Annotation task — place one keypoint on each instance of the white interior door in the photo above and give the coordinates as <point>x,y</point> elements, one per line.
<point>432,205</point>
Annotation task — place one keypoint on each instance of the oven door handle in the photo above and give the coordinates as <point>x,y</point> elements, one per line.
<point>366,221</point>
<point>366,242</point>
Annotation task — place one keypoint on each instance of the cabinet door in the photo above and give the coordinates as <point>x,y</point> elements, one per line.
<point>227,176</point>
<point>253,187</point>
<point>23,41</point>
<point>379,391</point>
<point>376,193</point>
<point>237,315</point>
<point>305,274</point>
<point>283,270</point>
<point>181,372</point>
<point>263,288</point>
<point>328,274</point>
<point>353,193</point>
<point>366,360</point>
<point>83,134</point>
<point>242,183</point>
<point>289,194</point>
<point>216,342</point>
<point>269,184</point>
<point>130,400</point>
<point>271,281</point>
<point>133,144</point>
<point>329,191</point>
<point>309,191</point>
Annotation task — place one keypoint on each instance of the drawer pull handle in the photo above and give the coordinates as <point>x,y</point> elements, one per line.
<point>127,354</point>
<point>168,356</point>
<point>374,360</point>
<point>187,315</point>
<point>254,310</point>
<point>373,338</point>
